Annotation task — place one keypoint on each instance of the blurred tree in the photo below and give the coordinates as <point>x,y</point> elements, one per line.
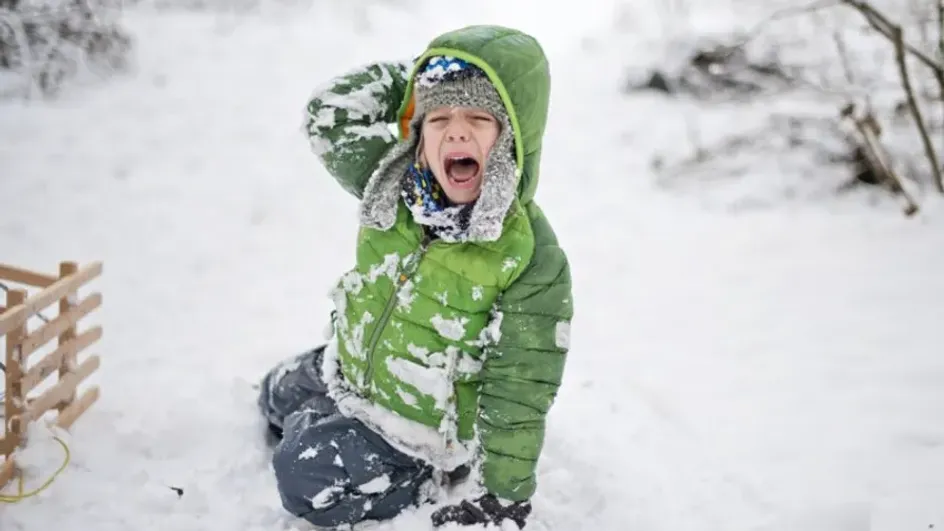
<point>46,42</point>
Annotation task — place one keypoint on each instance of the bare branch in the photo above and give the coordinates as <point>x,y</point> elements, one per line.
<point>781,14</point>
<point>923,13</point>
<point>916,7</point>
<point>886,27</point>
<point>844,58</point>
<point>939,75</point>
<point>876,156</point>
<point>915,110</point>
<point>940,34</point>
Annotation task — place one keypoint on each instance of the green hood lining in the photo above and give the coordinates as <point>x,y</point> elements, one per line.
<point>492,76</point>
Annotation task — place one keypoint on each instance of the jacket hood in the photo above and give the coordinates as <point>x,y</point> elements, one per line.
<point>517,66</point>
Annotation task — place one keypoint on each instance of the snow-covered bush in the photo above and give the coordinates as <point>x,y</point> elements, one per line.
<point>207,5</point>
<point>355,7</point>
<point>43,43</point>
<point>814,81</point>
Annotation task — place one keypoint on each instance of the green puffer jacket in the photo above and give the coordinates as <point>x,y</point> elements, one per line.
<point>453,351</point>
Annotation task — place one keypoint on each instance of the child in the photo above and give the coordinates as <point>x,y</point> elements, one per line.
<point>449,335</point>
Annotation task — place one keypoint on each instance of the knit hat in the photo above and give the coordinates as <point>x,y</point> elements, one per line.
<point>451,82</point>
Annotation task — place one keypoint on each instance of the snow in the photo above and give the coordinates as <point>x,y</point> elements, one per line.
<point>376,485</point>
<point>386,268</point>
<point>510,263</point>
<point>309,453</point>
<point>421,353</point>
<point>445,220</point>
<point>443,297</point>
<point>355,343</point>
<point>431,381</point>
<point>406,296</point>
<point>772,368</point>
<point>453,329</point>
<point>562,334</point>
<point>407,398</point>
<point>380,131</point>
<point>326,496</point>
<point>409,437</point>
<point>352,282</point>
<point>466,364</point>
<point>477,293</point>
<point>491,333</point>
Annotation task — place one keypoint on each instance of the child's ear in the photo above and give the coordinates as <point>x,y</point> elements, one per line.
<point>419,156</point>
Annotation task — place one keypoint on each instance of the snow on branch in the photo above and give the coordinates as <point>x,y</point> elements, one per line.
<point>895,34</point>
<point>892,31</point>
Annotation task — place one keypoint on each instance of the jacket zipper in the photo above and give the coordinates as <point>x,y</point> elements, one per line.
<point>405,275</point>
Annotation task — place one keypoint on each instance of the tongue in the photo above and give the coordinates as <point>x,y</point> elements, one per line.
<point>463,170</point>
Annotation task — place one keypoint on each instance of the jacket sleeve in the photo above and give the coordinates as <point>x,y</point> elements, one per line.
<point>522,371</point>
<point>348,121</point>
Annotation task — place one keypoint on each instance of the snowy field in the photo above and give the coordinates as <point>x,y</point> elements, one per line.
<point>775,369</point>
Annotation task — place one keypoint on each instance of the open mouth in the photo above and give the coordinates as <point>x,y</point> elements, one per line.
<point>461,169</point>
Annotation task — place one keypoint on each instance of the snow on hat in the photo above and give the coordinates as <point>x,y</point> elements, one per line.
<point>452,82</point>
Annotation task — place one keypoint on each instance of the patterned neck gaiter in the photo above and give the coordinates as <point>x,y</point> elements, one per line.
<point>430,207</point>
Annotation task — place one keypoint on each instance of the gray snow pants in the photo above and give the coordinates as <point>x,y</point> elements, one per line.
<point>331,470</point>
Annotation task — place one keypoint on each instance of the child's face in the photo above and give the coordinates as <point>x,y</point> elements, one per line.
<point>456,143</point>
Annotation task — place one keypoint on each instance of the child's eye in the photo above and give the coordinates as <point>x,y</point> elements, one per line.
<point>436,119</point>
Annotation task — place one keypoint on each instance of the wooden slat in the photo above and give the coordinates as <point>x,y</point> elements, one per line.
<point>25,276</point>
<point>61,323</point>
<point>67,269</point>
<point>55,291</point>
<point>41,369</point>
<point>74,410</point>
<point>7,445</point>
<point>7,471</point>
<point>62,389</point>
<point>13,397</point>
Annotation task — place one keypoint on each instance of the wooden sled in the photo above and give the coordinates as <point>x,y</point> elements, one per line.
<point>28,394</point>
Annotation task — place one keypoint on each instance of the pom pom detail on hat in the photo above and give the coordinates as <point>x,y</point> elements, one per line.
<point>442,68</point>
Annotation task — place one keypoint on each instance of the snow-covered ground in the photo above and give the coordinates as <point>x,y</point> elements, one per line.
<point>776,369</point>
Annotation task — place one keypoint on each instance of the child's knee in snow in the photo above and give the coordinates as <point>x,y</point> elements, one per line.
<point>312,478</point>
<point>335,471</point>
<point>307,472</point>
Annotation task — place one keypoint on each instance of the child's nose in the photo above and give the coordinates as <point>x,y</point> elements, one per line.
<point>457,133</point>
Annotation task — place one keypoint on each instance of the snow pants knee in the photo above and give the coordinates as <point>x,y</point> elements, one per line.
<point>332,470</point>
